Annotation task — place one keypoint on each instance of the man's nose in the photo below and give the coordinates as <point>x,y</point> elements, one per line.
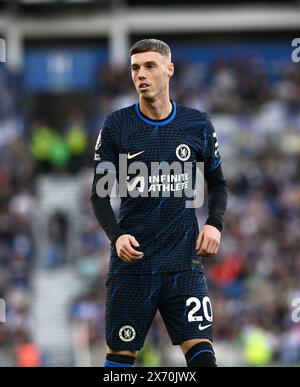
<point>141,75</point>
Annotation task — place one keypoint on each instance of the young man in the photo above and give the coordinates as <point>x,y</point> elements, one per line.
<point>156,245</point>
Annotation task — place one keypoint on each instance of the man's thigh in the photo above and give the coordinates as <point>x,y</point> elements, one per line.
<point>186,307</point>
<point>131,304</point>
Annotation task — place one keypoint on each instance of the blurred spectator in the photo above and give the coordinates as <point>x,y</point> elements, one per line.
<point>28,355</point>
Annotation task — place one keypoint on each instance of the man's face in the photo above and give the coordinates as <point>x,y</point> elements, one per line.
<point>151,72</point>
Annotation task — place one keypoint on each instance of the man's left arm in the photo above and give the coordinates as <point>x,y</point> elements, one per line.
<point>208,241</point>
<point>209,238</point>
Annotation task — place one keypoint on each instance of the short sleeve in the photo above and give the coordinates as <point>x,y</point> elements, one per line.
<point>212,158</point>
<point>106,149</point>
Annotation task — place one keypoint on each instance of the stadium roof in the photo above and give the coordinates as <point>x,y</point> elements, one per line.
<point>40,5</point>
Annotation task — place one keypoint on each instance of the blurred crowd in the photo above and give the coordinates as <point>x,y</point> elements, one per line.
<point>17,252</point>
<point>254,278</point>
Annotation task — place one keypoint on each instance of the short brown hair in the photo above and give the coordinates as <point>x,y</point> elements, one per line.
<point>146,45</point>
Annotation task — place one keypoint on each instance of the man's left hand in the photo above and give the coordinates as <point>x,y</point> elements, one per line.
<point>208,241</point>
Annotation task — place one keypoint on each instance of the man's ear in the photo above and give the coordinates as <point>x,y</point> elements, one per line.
<point>170,69</point>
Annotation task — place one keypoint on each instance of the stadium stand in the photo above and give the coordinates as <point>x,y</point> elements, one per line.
<point>48,236</point>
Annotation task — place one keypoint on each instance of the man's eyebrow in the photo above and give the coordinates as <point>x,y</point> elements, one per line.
<point>149,62</point>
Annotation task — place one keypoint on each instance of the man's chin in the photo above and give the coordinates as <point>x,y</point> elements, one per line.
<point>147,97</point>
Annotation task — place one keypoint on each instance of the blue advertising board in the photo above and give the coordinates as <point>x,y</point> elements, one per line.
<point>62,69</point>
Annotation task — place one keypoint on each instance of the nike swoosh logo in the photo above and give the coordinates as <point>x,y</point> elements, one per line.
<point>203,327</point>
<point>129,156</point>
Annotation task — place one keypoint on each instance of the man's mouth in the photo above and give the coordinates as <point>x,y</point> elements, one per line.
<point>143,86</point>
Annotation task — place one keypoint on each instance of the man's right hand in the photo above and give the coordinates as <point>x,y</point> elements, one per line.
<point>125,250</point>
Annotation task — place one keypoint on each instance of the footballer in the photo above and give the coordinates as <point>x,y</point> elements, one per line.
<point>156,244</point>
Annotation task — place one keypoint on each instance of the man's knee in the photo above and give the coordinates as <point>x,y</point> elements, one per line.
<point>199,353</point>
<point>115,358</point>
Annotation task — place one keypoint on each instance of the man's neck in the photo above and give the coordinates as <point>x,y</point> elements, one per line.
<point>156,110</point>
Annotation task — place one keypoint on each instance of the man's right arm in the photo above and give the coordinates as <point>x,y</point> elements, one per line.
<point>104,213</point>
<point>107,150</point>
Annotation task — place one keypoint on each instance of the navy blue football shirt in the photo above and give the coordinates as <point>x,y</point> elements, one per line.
<point>159,220</point>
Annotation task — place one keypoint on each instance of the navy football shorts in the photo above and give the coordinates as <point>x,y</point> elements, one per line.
<point>133,300</point>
